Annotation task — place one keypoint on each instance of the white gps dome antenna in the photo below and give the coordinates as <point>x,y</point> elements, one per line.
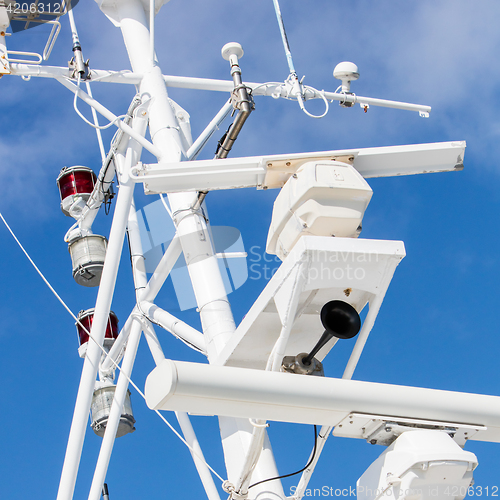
<point>346,72</point>
<point>231,52</point>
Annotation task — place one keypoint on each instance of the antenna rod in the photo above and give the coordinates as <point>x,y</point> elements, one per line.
<point>77,48</point>
<point>294,80</point>
<point>241,98</point>
<point>288,52</point>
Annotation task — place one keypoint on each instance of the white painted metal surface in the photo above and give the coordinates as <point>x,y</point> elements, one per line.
<point>356,271</point>
<point>284,320</point>
<point>274,170</point>
<point>116,410</point>
<point>321,199</point>
<point>168,139</point>
<point>265,89</point>
<point>197,454</point>
<point>384,429</point>
<point>285,397</point>
<point>424,463</point>
<point>102,308</point>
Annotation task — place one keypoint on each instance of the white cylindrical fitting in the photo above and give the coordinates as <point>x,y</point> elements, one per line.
<point>241,392</point>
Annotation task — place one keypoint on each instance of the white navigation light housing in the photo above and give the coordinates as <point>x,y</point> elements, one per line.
<point>87,256</point>
<point>346,72</point>
<point>102,401</point>
<point>419,465</point>
<point>326,198</point>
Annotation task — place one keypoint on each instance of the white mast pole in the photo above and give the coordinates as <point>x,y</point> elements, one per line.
<point>102,307</point>
<point>116,410</point>
<point>215,312</point>
<point>140,281</point>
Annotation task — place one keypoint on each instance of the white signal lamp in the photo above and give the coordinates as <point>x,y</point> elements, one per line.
<point>88,253</point>
<point>100,409</point>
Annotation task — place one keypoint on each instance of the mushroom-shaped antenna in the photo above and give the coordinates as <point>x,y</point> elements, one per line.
<point>346,72</point>
<point>231,52</point>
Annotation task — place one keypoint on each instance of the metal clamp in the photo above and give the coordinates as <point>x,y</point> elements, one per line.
<point>236,99</point>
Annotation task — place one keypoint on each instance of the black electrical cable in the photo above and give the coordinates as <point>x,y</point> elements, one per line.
<point>109,193</point>
<point>293,473</point>
<point>221,141</point>
<point>108,196</point>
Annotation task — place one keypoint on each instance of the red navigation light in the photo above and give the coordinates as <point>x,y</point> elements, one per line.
<point>87,317</point>
<point>75,183</point>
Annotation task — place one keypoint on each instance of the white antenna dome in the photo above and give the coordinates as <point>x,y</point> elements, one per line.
<point>232,51</point>
<point>346,72</point>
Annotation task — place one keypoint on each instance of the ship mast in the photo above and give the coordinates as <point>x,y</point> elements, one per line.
<point>269,367</point>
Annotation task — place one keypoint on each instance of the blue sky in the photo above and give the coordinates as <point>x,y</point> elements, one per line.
<point>438,325</point>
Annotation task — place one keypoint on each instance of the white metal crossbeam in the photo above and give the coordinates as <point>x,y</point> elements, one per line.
<point>272,171</point>
<point>285,397</point>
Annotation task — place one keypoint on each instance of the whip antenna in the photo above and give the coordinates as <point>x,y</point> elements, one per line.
<point>296,90</point>
<point>286,45</point>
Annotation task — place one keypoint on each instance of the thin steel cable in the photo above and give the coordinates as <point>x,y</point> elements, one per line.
<point>102,349</point>
<point>38,270</point>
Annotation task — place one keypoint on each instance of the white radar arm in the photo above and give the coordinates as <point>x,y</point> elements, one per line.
<point>272,89</point>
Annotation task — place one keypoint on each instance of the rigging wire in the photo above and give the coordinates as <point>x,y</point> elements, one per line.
<point>38,270</point>
<point>130,381</point>
<point>299,471</point>
<point>325,100</point>
<point>108,194</point>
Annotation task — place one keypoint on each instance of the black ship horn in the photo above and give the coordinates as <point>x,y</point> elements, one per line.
<point>340,320</point>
